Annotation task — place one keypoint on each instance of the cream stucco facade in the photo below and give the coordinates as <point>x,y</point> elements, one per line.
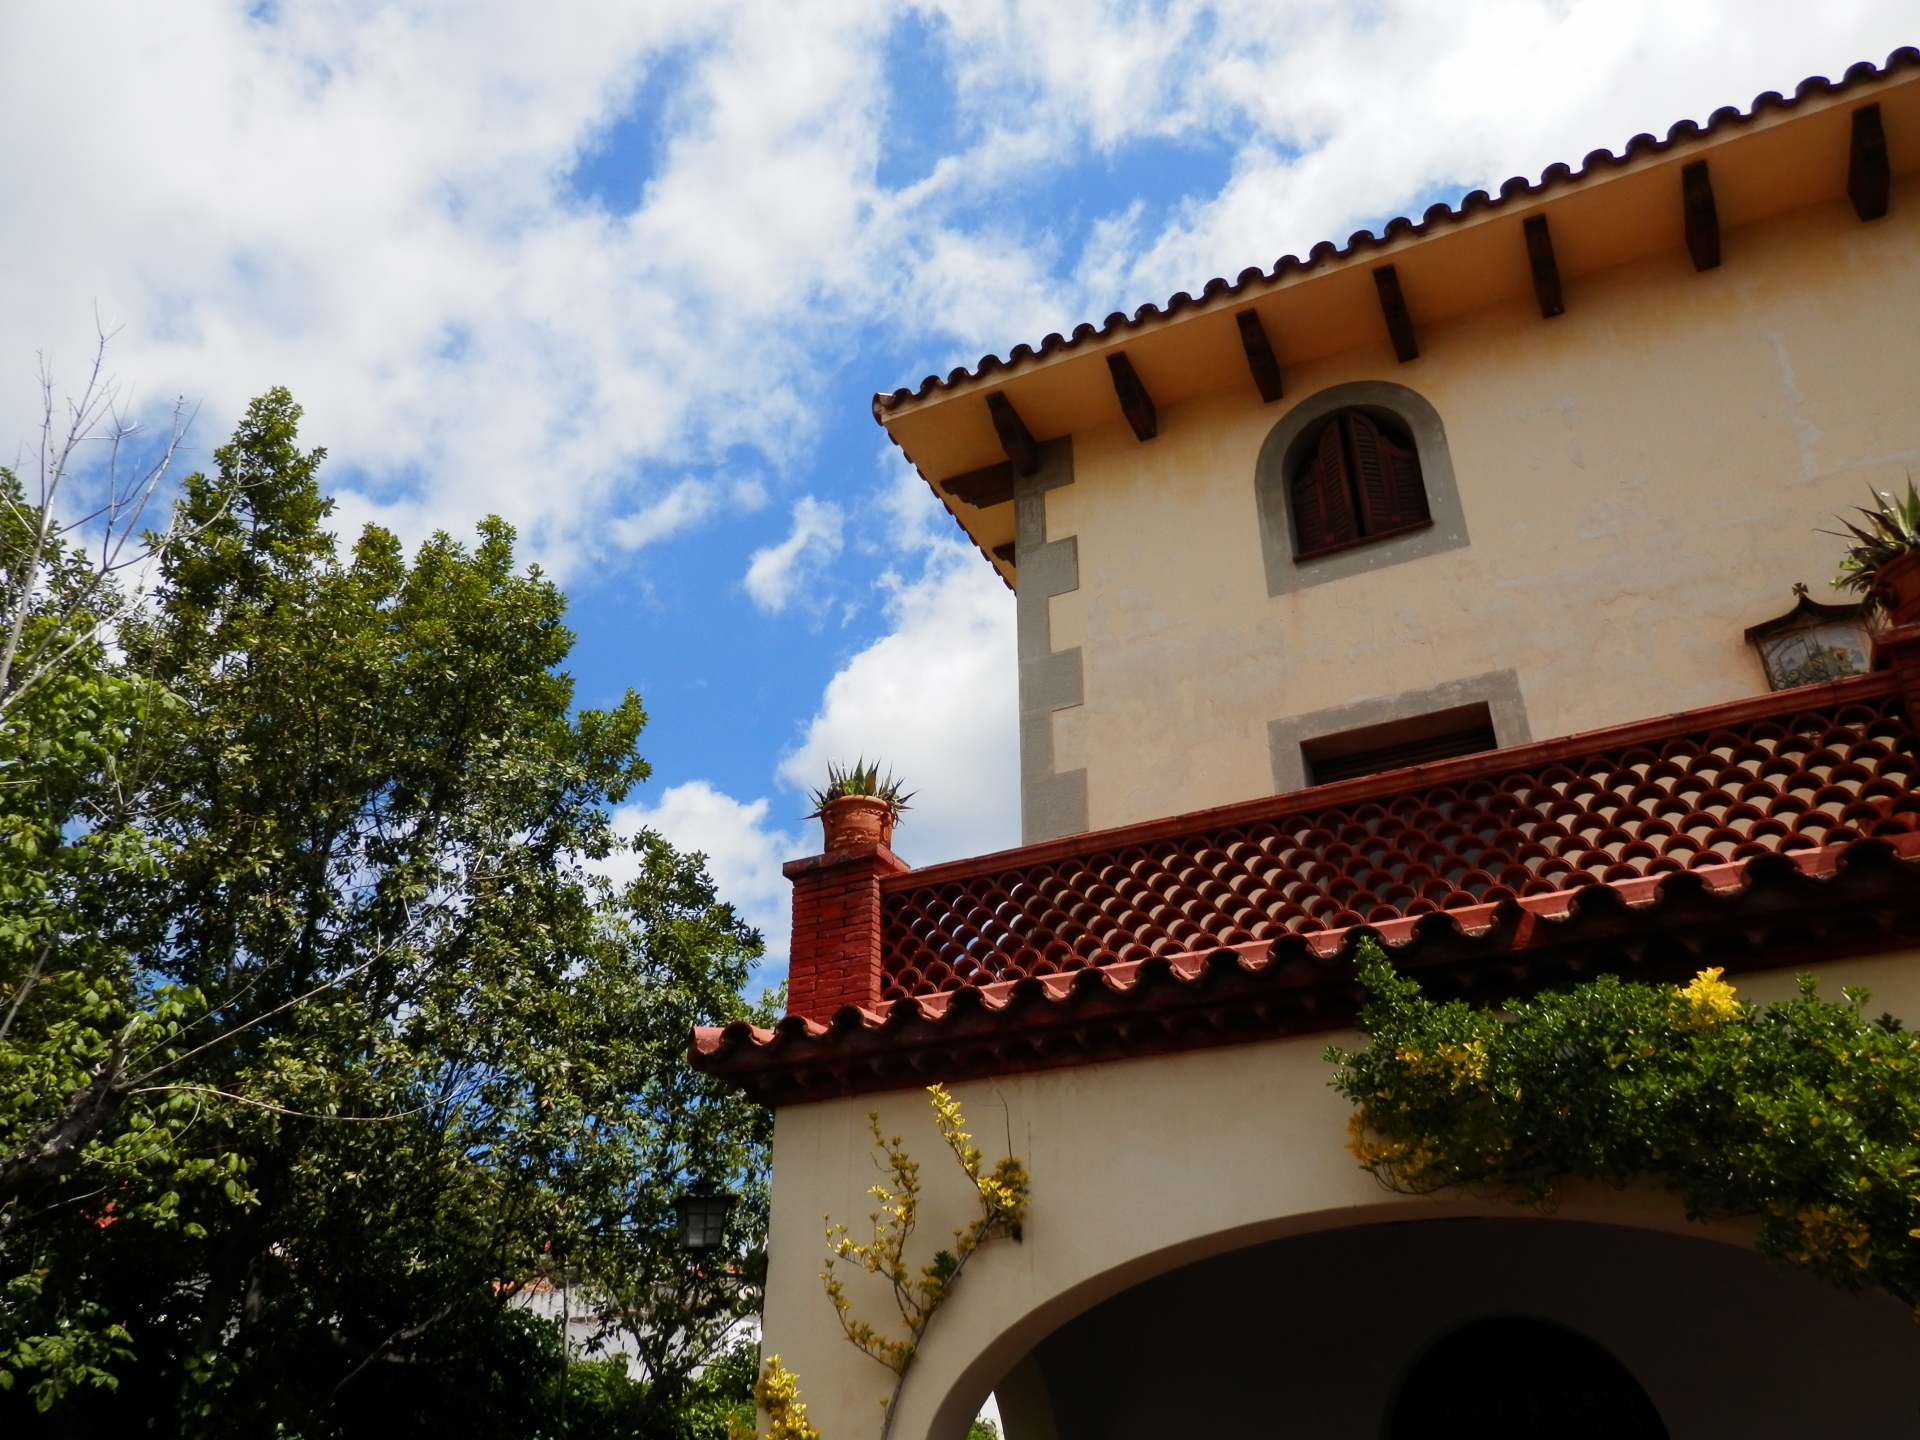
<point>1617,493</point>
<point>1641,478</point>
<point>1638,479</point>
<point>1142,1168</point>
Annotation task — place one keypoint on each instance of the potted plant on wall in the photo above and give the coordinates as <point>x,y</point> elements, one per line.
<point>858,805</point>
<point>1883,561</point>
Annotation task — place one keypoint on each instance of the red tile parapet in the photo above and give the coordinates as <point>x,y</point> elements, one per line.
<point>1768,832</point>
<point>1685,792</point>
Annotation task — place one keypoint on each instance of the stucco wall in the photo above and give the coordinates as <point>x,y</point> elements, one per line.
<point>1641,479</point>
<point>1139,1167</point>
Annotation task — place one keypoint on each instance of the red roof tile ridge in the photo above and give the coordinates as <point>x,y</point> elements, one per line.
<point>1681,133</point>
<point>1343,793</point>
<point>1558,907</point>
<point>1506,932</point>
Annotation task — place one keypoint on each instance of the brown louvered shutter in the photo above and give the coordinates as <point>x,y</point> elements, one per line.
<point>1387,476</point>
<point>1409,490</point>
<point>1323,496</point>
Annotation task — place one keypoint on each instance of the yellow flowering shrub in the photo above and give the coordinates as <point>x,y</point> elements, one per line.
<point>1804,1114</point>
<point>917,1294</point>
<point>1708,999</point>
<point>777,1393</point>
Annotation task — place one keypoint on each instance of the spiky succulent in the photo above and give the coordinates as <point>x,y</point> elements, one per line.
<point>1892,529</point>
<point>859,778</point>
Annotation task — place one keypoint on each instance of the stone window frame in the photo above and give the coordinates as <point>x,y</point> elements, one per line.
<point>1498,690</point>
<point>1281,451</point>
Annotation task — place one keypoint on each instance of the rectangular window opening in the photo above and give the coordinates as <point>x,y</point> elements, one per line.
<point>1396,744</point>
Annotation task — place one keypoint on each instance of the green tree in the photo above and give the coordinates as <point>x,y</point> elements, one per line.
<point>398,1047</point>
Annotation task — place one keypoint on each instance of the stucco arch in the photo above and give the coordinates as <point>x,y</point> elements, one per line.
<point>1280,450</point>
<point>1314,1336</point>
<point>1139,1167</point>
<point>963,1361</point>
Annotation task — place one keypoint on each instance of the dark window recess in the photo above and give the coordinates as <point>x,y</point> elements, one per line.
<point>1517,1379</point>
<point>1360,481</point>
<point>1464,730</point>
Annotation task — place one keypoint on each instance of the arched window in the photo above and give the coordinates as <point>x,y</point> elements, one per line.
<point>1359,479</point>
<point>1516,1379</point>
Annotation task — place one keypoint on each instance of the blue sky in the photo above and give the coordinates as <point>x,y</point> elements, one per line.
<point>628,275</point>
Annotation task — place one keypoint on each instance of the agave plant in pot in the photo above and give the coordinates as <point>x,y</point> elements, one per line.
<point>858,805</point>
<point>1882,561</point>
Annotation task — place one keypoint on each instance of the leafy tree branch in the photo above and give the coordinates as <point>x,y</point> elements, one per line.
<point>314,835</point>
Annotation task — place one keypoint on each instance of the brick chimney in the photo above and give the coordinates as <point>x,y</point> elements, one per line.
<point>835,959</point>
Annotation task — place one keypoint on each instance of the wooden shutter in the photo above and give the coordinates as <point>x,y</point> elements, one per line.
<point>1323,497</point>
<point>1386,475</point>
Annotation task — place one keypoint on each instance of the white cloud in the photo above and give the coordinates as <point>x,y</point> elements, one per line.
<point>777,571</point>
<point>369,201</point>
<point>744,854</point>
<point>681,508</point>
<point>936,699</point>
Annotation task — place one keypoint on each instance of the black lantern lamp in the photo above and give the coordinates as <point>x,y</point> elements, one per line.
<point>703,1216</point>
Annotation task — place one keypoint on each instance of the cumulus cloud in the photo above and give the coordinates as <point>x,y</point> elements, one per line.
<point>935,699</point>
<point>778,571</point>
<point>744,853</point>
<point>373,202</point>
<point>686,504</point>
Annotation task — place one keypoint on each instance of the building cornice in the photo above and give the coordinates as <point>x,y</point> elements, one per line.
<point>1517,197</point>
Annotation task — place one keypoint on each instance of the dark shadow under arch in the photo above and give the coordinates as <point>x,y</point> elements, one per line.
<point>1514,1378</point>
<point>1314,1335</point>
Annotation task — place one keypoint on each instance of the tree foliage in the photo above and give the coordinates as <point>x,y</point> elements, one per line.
<point>1804,1114</point>
<point>328,1036</point>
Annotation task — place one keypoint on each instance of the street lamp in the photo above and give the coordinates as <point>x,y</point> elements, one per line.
<point>703,1216</point>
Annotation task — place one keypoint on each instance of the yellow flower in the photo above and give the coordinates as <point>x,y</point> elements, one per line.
<point>1709,998</point>
<point>778,1393</point>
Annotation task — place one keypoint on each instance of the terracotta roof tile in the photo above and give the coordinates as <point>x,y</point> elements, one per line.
<point>1765,913</point>
<point>1753,834</point>
<point>1518,188</point>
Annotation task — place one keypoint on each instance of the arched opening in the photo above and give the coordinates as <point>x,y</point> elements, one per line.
<point>1379,1331</point>
<point>1383,492</point>
<point>1514,1378</point>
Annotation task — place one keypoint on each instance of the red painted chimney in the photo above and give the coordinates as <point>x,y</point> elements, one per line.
<point>835,960</point>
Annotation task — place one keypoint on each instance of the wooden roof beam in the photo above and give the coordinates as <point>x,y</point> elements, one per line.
<point>1393,306</point>
<point>1022,453</point>
<point>1869,173</point>
<point>988,486</point>
<point>1135,403</point>
<point>1260,357</point>
<point>1703,221</point>
<point>1546,273</point>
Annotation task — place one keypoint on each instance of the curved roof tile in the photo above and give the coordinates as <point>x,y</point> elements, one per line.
<point>1763,913</point>
<point>1684,132</point>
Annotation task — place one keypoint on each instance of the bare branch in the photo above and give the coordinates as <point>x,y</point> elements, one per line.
<point>55,1147</point>
<point>269,1105</point>
<point>109,533</point>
